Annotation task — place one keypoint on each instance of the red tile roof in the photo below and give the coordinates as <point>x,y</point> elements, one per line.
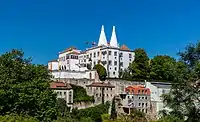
<point>60,85</point>
<point>124,47</point>
<point>137,89</point>
<point>101,84</point>
<point>74,53</point>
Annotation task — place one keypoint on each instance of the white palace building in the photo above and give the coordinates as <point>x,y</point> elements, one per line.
<point>113,57</point>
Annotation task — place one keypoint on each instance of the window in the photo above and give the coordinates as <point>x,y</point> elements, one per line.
<point>64,93</point>
<point>132,97</point>
<point>97,53</point>
<point>115,63</point>
<point>111,89</point>
<point>128,97</point>
<point>146,104</point>
<point>96,95</point>
<point>94,63</point>
<point>142,104</point>
<point>115,68</point>
<point>96,88</point>
<point>115,57</point>
<point>139,104</point>
<point>138,91</point>
<point>110,62</point>
<point>67,61</point>
<point>70,96</point>
<point>130,55</point>
<point>107,95</point>
<point>94,54</point>
<point>87,56</point>
<point>139,97</point>
<point>145,97</point>
<point>60,93</point>
<point>107,88</point>
<point>115,53</point>
<point>142,110</point>
<point>109,53</point>
<point>113,73</point>
<point>129,59</point>
<point>146,110</point>
<point>90,55</point>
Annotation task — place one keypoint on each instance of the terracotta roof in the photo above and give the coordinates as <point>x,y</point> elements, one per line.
<point>68,49</point>
<point>124,47</point>
<point>101,84</point>
<point>60,85</point>
<point>137,89</point>
<point>74,52</point>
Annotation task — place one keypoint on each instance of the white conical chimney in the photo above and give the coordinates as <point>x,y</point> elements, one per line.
<point>102,38</point>
<point>113,40</point>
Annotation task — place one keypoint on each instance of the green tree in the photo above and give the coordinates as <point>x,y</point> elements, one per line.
<point>101,72</point>
<point>113,115</point>
<point>184,96</point>
<point>162,68</point>
<point>140,66</point>
<point>62,107</point>
<point>25,88</point>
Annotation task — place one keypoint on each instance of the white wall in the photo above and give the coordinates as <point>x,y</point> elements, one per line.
<point>74,74</point>
<point>156,94</point>
<point>53,66</point>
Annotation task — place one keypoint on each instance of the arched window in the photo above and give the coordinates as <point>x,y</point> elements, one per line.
<point>65,67</point>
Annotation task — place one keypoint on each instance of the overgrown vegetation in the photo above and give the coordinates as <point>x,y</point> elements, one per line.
<point>80,94</point>
<point>24,88</point>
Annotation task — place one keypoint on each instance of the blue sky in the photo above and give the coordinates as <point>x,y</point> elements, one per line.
<point>42,28</point>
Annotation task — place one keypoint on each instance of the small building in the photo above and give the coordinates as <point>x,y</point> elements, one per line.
<point>95,89</point>
<point>136,97</point>
<point>158,89</point>
<point>64,91</point>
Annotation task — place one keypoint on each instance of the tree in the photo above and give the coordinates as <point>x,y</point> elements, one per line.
<point>162,68</point>
<point>113,115</point>
<point>191,55</point>
<point>25,88</point>
<point>140,66</point>
<point>184,96</point>
<point>62,107</point>
<point>101,72</point>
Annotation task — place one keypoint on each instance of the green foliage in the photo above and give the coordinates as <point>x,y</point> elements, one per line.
<point>62,107</point>
<point>184,96</point>
<point>113,110</point>
<point>162,68</point>
<point>169,119</point>
<point>80,94</point>
<point>101,72</point>
<point>140,66</point>
<point>93,112</point>
<point>24,87</point>
<point>17,118</point>
<point>135,116</point>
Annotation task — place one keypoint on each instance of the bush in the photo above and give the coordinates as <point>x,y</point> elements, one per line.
<point>17,118</point>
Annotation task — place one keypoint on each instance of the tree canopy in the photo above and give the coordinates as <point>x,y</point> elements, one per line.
<point>24,87</point>
<point>162,67</point>
<point>184,96</point>
<point>101,72</point>
<point>139,68</point>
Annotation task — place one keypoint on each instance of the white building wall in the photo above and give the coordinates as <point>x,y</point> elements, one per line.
<point>53,66</point>
<point>156,96</point>
<point>74,74</point>
<point>127,58</point>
